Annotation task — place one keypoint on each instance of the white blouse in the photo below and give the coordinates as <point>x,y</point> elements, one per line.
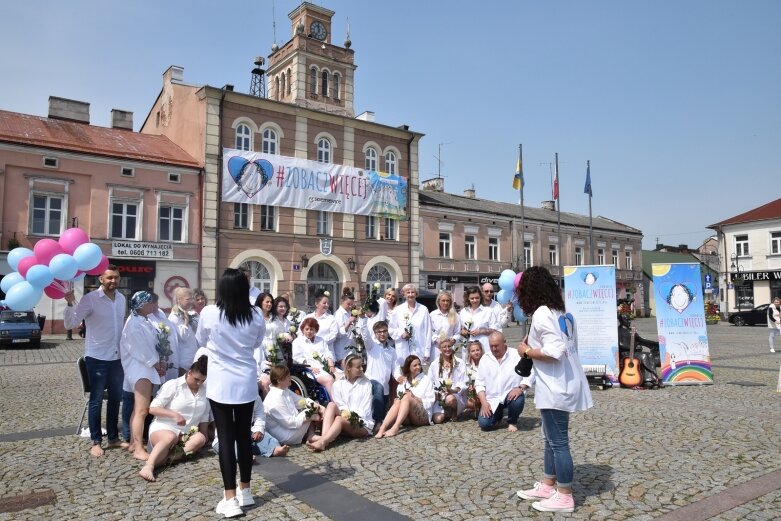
<point>380,359</point>
<point>420,343</point>
<point>441,328</point>
<point>355,397</point>
<point>343,338</point>
<point>304,350</point>
<point>185,334</point>
<point>138,352</point>
<point>482,317</point>
<point>283,419</point>
<point>328,330</point>
<point>457,379</point>
<point>233,372</point>
<point>176,396</point>
<point>423,388</point>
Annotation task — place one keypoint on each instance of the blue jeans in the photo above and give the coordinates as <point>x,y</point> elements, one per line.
<point>104,375</point>
<point>128,401</point>
<point>380,402</point>
<point>557,460</point>
<point>514,410</point>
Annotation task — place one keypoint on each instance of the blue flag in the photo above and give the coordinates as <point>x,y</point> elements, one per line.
<point>587,188</point>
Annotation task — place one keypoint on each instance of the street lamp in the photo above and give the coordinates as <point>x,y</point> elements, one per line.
<point>351,263</point>
<point>736,267</point>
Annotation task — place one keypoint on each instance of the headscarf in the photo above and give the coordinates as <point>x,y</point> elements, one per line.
<point>138,299</point>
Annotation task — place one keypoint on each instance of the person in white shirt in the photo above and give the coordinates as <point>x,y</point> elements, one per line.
<point>179,408</point>
<point>265,353</point>
<point>328,326</point>
<point>502,312</point>
<point>475,350</point>
<point>310,349</point>
<point>498,386</point>
<point>445,324</point>
<point>380,363</point>
<point>410,327</point>
<point>282,326</point>
<point>561,386</point>
<point>352,415</point>
<point>344,320</point>
<point>103,312</point>
<point>185,323</point>
<point>391,299</point>
<point>161,322</point>
<point>774,322</point>
<point>416,403</point>
<point>477,321</point>
<point>231,330</point>
<point>143,365</point>
<point>448,375</point>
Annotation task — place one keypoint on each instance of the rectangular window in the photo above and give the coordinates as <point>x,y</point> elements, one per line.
<point>241,216</point>
<point>371,227</point>
<point>775,243</point>
<point>171,224</point>
<point>469,247</point>
<point>493,248</point>
<point>744,294</point>
<point>600,256</point>
<point>553,254</point>
<point>47,214</point>
<point>578,256</point>
<point>444,245</point>
<point>615,258</point>
<point>174,178</point>
<point>323,221</point>
<point>268,221</point>
<point>741,245</point>
<point>124,220</point>
<point>628,260</point>
<point>128,172</point>
<point>389,229</point>
<point>527,254</point>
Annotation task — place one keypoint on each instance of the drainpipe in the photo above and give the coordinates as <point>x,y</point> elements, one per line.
<point>409,208</point>
<point>726,273</point>
<point>219,188</point>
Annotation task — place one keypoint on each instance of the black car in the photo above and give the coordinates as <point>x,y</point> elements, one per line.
<point>750,317</point>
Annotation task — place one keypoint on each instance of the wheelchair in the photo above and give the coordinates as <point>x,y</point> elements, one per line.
<point>304,383</point>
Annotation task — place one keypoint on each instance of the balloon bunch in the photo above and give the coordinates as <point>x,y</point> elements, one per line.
<point>508,288</point>
<point>50,268</point>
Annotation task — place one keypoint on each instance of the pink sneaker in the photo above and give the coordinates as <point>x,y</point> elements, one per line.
<point>540,491</point>
<point>556,503</point>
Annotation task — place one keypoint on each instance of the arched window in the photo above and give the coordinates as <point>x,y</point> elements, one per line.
<point>390,163</point>
<point>276,88</point>
<point>243,137</point>
<point>324,84</point>
<point>259,275</point>
<point>269,142</point>
<point>282,86</point>
<point>323,151</point>
<point>381,275</point>
<point>336,85</point>
<point>371,159</point>
<point>288,81</point>
<point>321,277</point>
<point>313,81</point>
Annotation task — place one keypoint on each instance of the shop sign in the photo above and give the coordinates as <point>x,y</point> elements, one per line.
<point>758,275</point>
<point>135,268</point>
<point>155,250</point>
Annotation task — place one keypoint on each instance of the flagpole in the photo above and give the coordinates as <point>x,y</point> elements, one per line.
<point>522,265</point>
<point>558,217</point>
<point>590,223</point>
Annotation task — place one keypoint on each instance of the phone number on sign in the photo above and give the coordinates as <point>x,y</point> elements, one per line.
<point>143,253</point>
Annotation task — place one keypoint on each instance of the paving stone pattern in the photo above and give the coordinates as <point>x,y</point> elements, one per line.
<point>638,454</point>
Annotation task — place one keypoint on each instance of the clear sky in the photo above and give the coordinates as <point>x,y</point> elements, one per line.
<point>677,103</point>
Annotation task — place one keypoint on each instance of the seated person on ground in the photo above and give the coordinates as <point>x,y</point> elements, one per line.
<point>447,374</point>
<point>414,407</point>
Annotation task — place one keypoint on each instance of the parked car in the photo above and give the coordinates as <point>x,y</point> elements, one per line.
<point>750,317</point>
<point>19,327</point>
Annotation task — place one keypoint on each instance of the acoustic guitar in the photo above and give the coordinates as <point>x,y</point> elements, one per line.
<point>629,376</point>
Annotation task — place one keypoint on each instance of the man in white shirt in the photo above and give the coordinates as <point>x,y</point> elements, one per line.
<point>502,315</point>
<point>103,311</point>
<point>498,386</point>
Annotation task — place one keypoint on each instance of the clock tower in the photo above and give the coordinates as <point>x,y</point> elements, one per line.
<point>309,70</point>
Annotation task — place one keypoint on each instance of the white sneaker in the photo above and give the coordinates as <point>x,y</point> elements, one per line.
<point>229,508</point>
<point>772,350</point>
<point>244,495</point>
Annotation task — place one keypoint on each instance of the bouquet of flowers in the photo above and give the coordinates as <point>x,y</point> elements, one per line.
<point>284,347</point>
<point>272,348</point>
<point>470,384</point>
<point>177,451</point>
<point>295,320</point>
<point>370,303</point>
<point>358,346</point>
<point>442,390</point>
<point>406,386</point>
<point>163,346</point>
<point>319,358</point>
<point>309,406</point>
<point>409,330</point>
<point>356,422</point>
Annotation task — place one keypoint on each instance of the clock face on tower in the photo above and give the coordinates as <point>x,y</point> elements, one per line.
<point>317,30</point>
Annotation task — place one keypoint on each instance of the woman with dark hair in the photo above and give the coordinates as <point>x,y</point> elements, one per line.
<point>179,408</point>
<point>416,402</point>
<point>282,326</point>
<point>263,355</point>
<point>561,386</point>
<point>199,300</point>
<point>231,330</point>
<point>477,321</point>
<point>346,322</point>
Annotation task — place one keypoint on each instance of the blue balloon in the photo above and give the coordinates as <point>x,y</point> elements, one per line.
<point>503,297</point>
<point>39,276</point>
<point>507,280</point>
<point>11,280</point>
<point>17,254</point>
<point>63,266</point>
<point>23,297</point>
<point>518,313</point>
<point>87,256</point>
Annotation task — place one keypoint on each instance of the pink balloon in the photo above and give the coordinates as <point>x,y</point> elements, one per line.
<point>46,249</point>
<point>26,263</point>
<point>517,280</point>
<point>72,238</point>
<point>100,268</point>
<point>53,293</point>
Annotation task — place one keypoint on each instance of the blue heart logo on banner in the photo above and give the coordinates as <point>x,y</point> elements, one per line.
<point>252,176</point>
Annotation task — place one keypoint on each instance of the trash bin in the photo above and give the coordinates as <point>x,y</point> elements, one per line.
<point>41,321</point>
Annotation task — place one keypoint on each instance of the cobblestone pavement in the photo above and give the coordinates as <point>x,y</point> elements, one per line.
<point>639,454</point>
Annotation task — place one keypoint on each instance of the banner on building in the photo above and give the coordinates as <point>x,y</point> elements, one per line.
<point>590,295</point>
<point>256,178</point>
<point>680,319</point>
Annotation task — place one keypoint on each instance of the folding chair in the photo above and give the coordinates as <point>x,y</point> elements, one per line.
<point>82,367</point>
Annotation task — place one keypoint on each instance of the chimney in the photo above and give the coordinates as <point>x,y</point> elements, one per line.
<point>683,247</point>
<point>173,74</point>
<point>366,116</point>
<point>469,193</point>
<point>436,184</point>
<point>68,109</point>
<point>548,205</point>
<point>121,119</point>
